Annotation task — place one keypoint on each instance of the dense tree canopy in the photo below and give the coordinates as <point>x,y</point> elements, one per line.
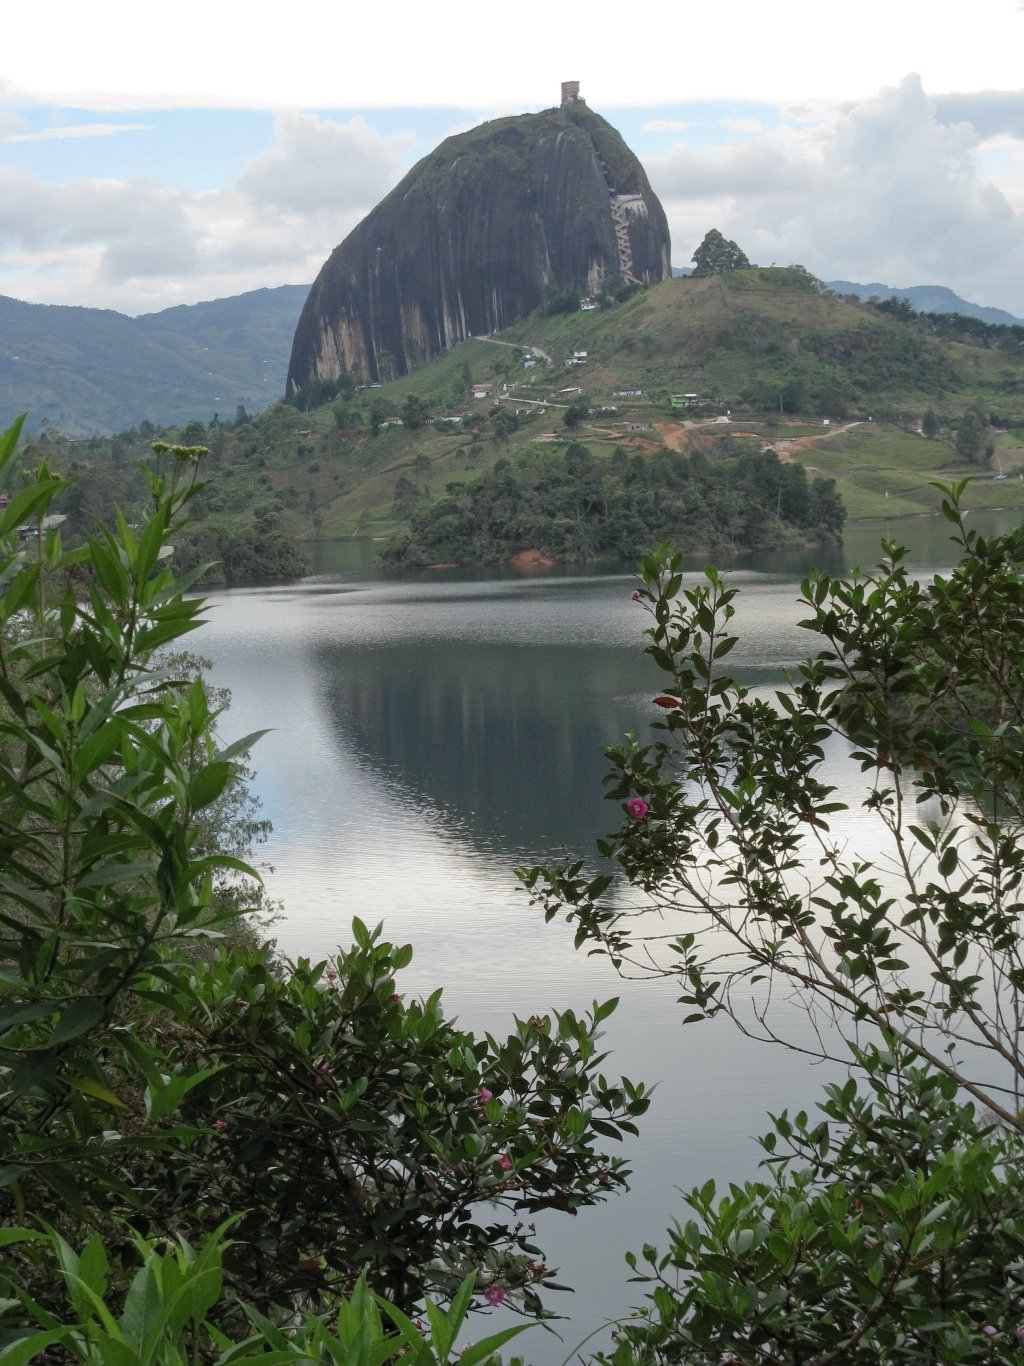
<point>717,253</point>
<point>573,505</point>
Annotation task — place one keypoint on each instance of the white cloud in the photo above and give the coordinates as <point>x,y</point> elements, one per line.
<point>321,166</point>
<point>11,122</point>
<point>136,245</point>
<point>665,126</point>
<point>891,188</point>
<point>110,55</point>
<point>989,112</point>
<point>75,130</point>
<point>891,193</point>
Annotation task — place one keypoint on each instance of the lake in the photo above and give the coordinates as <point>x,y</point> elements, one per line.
<point>434,731</point>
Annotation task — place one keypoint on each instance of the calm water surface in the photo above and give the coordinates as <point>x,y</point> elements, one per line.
<point>430,734</point>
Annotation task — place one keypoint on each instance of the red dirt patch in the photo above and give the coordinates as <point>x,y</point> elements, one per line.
<point>532,559</point>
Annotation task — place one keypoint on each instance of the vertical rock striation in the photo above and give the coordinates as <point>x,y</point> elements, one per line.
<point>490,225</point>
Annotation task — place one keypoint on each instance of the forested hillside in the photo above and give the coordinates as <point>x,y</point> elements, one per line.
<point>572,506</point>
<point>91,371</point>
<point>468,458</point>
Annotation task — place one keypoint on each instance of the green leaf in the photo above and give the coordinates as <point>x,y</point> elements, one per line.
<point>19,1235</point>
<point>25,1350</point>
<point>208,784</point>
<point>163,1099</point>
<point>949,860</point>
<point>142,1306</point>
<point>79,1017</point>
<point>98,1091</point>
<point>486,1347</point>
<point>13,1015</point>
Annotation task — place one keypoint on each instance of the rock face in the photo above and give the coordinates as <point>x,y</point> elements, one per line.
<point>490,225</point>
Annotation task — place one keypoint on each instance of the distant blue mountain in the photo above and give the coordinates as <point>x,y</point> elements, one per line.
<point>91,371</point>
<point>925,299</point>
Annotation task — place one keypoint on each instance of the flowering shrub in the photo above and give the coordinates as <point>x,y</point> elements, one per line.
<point>157,1091</point>
<point>893,1229</point>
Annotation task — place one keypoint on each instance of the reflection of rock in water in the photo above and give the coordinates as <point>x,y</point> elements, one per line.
<point>505,740</point>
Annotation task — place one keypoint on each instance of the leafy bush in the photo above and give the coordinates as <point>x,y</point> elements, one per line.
<point>168,1312</point>
<point>147,1086</point>
<point>894,1230</point>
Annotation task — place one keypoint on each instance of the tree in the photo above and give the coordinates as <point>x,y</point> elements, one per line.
<point>970,438</point>
<point>407,496</point>
<point>930,424</point>
<point>503,423</point>
<point>716,254</point>
<point>414,412</point>
<point>727,816</point>
<point>162,1088</point>
<point>891,1229</point>
<point>576,414</point>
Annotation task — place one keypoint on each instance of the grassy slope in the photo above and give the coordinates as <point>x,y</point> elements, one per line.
<point>718,337</point>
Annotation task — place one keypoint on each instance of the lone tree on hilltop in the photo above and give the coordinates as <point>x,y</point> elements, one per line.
<point>716,254</point>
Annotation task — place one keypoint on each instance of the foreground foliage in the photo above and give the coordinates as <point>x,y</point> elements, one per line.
<point>167,1315</point>
<point>158,1077</point>
<point>892,1229</point>
<point>920,687</point>
<point>889,1230</point>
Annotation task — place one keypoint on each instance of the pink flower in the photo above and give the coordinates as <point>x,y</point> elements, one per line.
<point>990,1330</point>
<point>332,975</point>
<point>505,1162</point>
<point>495,1294</point>
<point>485,1095</point>
<point>220,1125</point>
<point>1019,1332</point>
<point>637,808</point>
<point>636,595</point>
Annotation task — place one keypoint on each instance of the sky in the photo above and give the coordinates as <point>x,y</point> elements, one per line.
<point>152,156</point>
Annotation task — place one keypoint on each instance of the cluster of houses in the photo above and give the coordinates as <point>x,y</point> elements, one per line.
<point>485,390</point>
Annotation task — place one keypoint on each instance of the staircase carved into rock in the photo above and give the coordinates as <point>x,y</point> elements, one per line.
<point>623,205</point>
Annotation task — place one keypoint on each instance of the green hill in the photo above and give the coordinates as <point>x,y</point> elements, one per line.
<point>763,355</point>
<point>84,371</point>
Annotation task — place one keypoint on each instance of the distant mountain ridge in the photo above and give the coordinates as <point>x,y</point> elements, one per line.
<point>926,299</point>
<point>92,371</point>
